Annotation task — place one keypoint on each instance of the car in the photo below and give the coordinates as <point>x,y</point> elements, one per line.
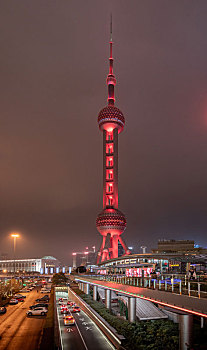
<point>39,305</point>
<point>62,307</point>
<point>3,310</point>
<point>20,299</point>
<point>39,311</point>
<point>76,309</point>
<point>68,321</point>
<point>71,303</point>
<point>44,291</point>
<point>24,290</point>
<point>64,310</point>
<point>13,301</point>
<point>43,299</point>
<point>17,296</point>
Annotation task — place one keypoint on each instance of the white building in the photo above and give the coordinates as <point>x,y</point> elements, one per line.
<point>42,265</point>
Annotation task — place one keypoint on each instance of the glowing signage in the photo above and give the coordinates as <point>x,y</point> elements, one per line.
<point>137,272</point>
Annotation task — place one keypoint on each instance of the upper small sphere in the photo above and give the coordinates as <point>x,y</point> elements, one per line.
<point>111,117</point>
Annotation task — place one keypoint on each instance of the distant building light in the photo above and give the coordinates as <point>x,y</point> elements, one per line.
<point>130,248</point>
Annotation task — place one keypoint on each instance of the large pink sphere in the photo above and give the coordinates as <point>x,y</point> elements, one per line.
<point>111,221</point>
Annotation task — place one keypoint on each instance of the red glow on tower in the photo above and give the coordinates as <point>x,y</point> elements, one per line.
<point>111,223</point>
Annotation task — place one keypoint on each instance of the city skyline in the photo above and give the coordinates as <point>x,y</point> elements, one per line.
<point>53,67</point>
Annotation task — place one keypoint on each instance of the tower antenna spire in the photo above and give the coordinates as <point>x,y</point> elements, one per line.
<point>111,80</point>
<point>111,28</point>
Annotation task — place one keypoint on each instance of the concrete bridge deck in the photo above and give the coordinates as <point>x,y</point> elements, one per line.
<point>183,303</point>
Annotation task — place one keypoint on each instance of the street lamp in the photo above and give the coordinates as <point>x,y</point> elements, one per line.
<point>15,236</point>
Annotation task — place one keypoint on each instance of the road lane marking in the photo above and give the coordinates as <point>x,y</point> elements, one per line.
<point>81,335</point>
<point>59,325</point>
<point>79,331</point>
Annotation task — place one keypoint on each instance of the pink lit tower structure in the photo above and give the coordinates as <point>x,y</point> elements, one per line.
<point>111,222</point>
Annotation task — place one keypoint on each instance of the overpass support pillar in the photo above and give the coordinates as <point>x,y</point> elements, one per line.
<point>131,309</point>
<point>86,288</point>
<point>108,298</point>
<point>186,331</point>
<point>95,290</point>
<point>82,286</point>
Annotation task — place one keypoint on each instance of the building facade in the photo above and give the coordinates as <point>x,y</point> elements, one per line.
<point>46,264</point>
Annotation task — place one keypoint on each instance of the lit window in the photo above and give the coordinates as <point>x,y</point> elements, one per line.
<point>109,161</point>
<point>109,136</point>
<point>109,200</point>
<point>109,148</point>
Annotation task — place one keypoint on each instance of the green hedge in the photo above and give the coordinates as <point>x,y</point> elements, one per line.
<point>144,335</point>
<point>47,341</point>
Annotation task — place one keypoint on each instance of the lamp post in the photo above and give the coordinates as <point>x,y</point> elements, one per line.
<point>14,236</point>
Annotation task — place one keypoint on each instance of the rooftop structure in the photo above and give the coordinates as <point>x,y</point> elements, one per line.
<point>173,246</point>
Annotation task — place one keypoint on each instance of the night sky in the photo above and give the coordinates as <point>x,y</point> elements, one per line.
<point>53,68</point>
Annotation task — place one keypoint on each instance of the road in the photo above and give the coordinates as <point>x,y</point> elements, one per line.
<point>17,331</point>
<point>84,335</point>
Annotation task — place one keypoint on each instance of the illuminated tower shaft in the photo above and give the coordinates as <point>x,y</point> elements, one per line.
<point>110,222</point>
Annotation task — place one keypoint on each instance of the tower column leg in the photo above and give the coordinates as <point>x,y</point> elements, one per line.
<point>100,254</point>
<point>123,244</point>
<point>114,246</point>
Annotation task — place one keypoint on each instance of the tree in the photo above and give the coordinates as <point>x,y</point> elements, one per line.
<point>59,279</point>
<point>81,269</point>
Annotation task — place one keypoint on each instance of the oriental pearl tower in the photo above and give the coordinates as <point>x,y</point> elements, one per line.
<point>111,222</point>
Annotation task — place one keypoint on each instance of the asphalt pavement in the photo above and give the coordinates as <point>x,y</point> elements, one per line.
<point>84,335</point>
<point>17,331</point>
